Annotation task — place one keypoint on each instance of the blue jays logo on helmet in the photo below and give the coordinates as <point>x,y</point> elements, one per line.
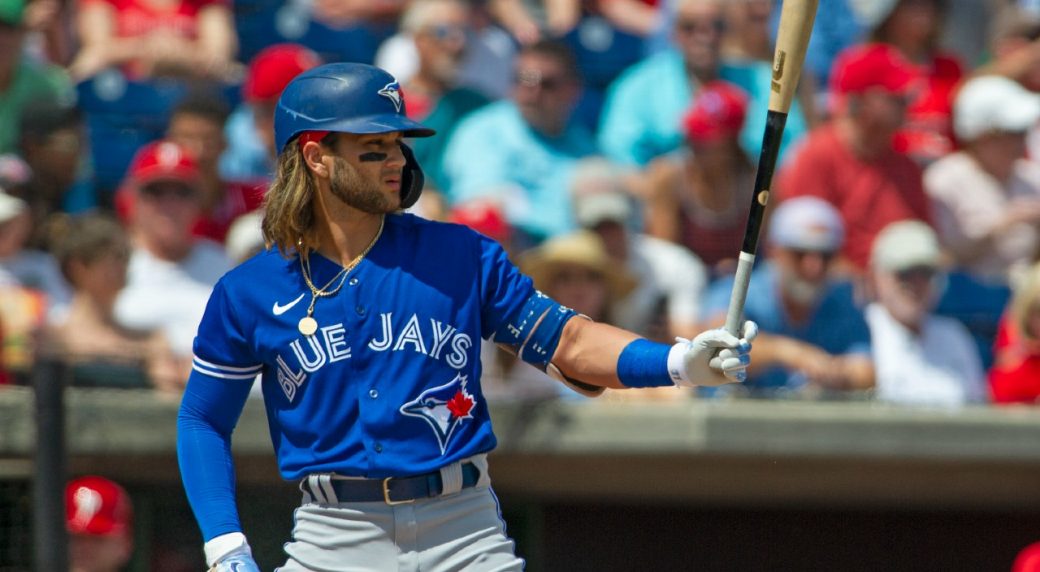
<point>444,408</point>
<point>346,98</point>
<point>392,91</point>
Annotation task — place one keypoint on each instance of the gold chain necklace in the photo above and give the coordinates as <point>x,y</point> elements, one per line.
<point>308,325</point>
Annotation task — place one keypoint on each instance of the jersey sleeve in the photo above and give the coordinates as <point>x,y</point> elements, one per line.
<point>221,349</point>
<point>222,374</point>
<point>504,289</point>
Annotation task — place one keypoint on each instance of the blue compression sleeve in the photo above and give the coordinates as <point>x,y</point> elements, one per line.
<point>208,414</point>
<point>644,364</point>
<point>534,333</point>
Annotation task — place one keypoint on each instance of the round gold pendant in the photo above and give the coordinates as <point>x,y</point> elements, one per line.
<point>308,326</point>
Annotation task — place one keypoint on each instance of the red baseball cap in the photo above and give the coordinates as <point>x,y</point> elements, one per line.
<point>273,68</point>
<point>718,110</point>
<point>864,67</point>
<point>485,217</point>
<point>97,506</point>
<point>162,161</point>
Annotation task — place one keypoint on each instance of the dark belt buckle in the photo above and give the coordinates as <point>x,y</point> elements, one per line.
<point>386,494</point>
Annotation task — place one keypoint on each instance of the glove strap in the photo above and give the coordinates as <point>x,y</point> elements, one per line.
<point>677,362</point>
<point>645,364</point>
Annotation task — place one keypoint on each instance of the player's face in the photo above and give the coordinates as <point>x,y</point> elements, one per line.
<point>366,171</point>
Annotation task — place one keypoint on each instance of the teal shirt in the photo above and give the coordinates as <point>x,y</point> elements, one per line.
<point>494,152</point>
<point>32,82</point>
<point>643,111</point>
<point>445,117</point>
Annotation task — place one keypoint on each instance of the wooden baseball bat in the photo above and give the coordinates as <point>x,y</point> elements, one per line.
<point>796,23</point>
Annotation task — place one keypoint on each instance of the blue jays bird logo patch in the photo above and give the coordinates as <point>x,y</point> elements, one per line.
<point>392,91</point>
<point>444,408</point>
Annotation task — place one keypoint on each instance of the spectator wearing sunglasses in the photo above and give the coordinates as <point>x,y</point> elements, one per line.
<point>523,150</point>
<point>814,341</point>
<point>986,196</point>
<point>632,132</point>
<point>851,161</point>
<point>920,358</point>
<point>435,95</point>
<point>171,271</point>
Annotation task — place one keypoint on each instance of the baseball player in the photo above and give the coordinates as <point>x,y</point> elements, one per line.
<point>364,323</point>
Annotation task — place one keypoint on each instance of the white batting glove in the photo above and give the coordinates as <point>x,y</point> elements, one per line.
<point>236,563</point>
<point>230,553</point>
<point>700,361</point>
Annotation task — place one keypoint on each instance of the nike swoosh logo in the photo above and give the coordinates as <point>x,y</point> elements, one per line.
<point>278,310</point>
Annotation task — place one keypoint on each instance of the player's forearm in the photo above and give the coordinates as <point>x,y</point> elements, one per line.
<point>589,352</point>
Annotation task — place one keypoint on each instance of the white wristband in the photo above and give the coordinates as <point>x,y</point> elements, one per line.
<point>225,545</point>
<point>677,363</point>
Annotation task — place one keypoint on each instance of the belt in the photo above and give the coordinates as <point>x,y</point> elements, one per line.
<point>391,490</point>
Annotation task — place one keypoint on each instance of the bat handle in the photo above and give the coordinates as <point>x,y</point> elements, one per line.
<point>735,313</point>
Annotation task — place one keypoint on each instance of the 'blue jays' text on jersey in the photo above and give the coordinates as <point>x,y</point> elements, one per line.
<point>389,384</point>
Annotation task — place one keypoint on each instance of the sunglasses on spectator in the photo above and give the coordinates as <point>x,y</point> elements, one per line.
<point>801,253</point>
<point>534,78</point>
<point>916,274</point>
<point>694,25</point>
<point>169,189</point>
<point>447,32</point>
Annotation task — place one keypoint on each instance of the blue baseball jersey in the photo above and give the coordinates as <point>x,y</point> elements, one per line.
<point>389,383</point>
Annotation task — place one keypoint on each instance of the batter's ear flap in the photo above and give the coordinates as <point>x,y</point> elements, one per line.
<point>412,179</point>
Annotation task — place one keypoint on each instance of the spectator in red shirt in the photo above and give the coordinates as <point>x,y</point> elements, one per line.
<point>148,38</point>
<point>197,124</point>
<point>1015,375</point>
<point>913,27</point>
<point>851,162</point>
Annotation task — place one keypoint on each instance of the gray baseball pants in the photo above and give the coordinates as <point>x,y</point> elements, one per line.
<point>453,532</point>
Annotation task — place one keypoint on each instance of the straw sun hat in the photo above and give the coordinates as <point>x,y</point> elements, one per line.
<point>582,248</point>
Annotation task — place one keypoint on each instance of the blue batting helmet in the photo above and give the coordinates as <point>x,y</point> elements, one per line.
<point>345,98</point>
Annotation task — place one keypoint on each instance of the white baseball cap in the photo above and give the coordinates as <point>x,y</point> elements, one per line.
<point>994,103</point>
<point>10,207</point>
<point>807,223</point>
<point>905,244</point>
<point>596,207</point>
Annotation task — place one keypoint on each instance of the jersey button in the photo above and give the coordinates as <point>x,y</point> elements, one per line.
<point>378,447</point>
<point>353,281</point>
<point>373,393</point>
<point>360,310</point>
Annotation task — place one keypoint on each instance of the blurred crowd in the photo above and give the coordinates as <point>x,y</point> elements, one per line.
<point>610,145</point>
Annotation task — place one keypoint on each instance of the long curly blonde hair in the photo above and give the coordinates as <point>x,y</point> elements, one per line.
<point>289,221</point>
